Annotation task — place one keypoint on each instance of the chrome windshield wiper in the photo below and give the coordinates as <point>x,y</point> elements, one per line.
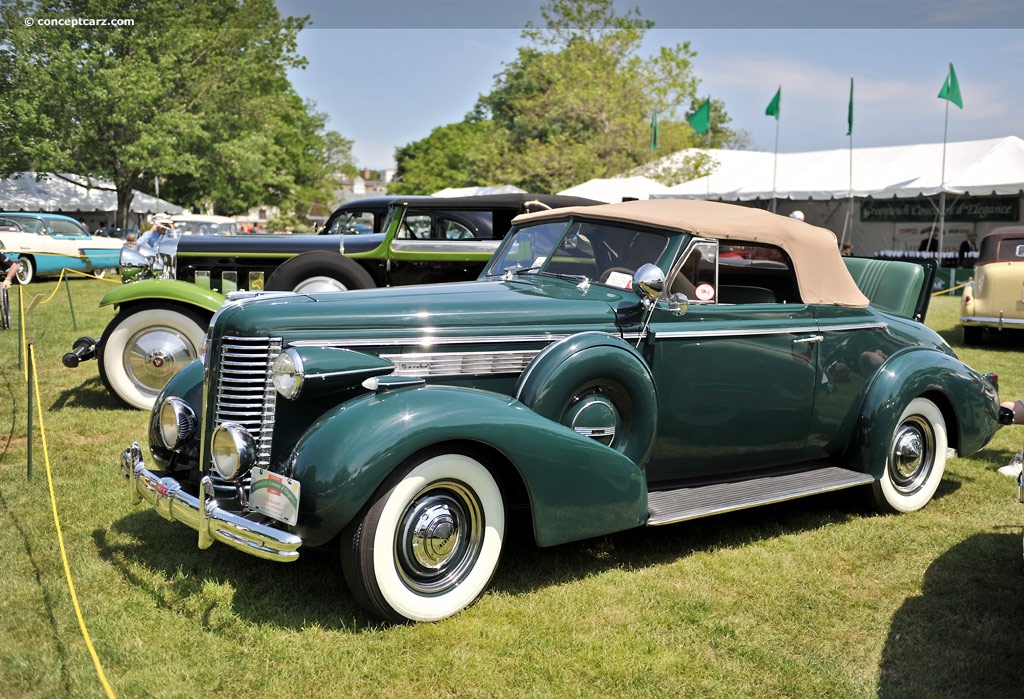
<point>513,271</point>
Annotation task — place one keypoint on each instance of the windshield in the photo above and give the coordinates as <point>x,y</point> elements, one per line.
<point>350,223</point>
<point>606,253</point>
<point>206,227</point>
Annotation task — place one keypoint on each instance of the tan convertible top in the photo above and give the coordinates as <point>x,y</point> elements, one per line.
<point>820,271</point>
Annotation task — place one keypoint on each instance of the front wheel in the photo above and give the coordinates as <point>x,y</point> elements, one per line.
<point>916,459</point>
<point>428,543</point>
<point>26,270</point>
<point>144,346</point>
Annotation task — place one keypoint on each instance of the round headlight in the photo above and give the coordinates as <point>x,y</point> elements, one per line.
<point>287,373</point>
<point>177,423</point>
<point>232,450</point>
<point>134,264</point>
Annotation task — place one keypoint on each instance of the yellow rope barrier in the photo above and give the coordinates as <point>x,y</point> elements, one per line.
<point>60,537</point>
<point>950,290</point>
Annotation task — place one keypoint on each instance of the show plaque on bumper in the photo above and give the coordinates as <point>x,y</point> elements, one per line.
<point>203,514</point>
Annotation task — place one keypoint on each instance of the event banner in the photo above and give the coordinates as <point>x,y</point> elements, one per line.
<point>927,209</point>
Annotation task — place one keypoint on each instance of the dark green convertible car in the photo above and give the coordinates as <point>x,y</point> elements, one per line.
<point>614,366</point>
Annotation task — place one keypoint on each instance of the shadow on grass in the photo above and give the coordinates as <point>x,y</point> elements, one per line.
<point>527,568</point>
<point>962,637</point>
<point>91,393</point>
<point>163,560</point>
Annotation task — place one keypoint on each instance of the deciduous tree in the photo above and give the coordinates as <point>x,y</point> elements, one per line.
<point>576,103</point>
<point>194,93</point>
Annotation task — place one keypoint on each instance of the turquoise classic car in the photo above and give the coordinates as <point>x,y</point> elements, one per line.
<point>615,366</point>
<point>46,244</point>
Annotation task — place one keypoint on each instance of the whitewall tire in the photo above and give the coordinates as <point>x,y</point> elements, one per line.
<point>429,541</point>
<point>916,459</point>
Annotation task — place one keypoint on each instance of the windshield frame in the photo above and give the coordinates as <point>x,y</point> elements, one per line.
<point>555,254</point>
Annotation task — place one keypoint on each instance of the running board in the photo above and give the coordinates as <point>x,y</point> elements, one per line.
<point>667,506</point>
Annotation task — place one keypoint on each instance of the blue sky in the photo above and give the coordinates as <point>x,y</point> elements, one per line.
<point>387,72</point>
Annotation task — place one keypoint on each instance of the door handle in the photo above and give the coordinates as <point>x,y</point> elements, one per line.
<point>808,340</point>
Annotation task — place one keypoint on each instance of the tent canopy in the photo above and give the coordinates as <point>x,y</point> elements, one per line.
<point>616,189</point>
<point>477,191</point>
<point>71,193</point>
<point>977,168</point>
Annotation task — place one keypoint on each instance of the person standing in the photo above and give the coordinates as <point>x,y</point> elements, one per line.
<point>9,267</point>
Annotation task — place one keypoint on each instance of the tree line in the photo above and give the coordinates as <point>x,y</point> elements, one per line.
<point>198,95</point>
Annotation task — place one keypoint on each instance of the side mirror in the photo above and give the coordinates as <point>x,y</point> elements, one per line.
<point>649,281</point>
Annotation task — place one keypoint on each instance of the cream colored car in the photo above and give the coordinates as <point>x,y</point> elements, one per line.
<point>994,298</point>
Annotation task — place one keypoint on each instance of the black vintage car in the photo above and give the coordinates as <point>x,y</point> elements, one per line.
<point>179,282</point>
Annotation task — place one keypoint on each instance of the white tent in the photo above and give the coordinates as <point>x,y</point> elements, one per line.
<point>615,189</point>
<point>72,194</point>
<point>976,168</point>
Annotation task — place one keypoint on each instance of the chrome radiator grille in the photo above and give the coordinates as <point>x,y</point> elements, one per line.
<point>245,393</point>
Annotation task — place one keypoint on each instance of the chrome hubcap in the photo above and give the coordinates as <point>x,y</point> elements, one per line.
<point>319,285</point>
<point>911,456</point>
<point>439,537</point>
<point>153,356</point>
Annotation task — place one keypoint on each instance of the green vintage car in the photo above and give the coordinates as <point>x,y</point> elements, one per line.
<point>576,382</point>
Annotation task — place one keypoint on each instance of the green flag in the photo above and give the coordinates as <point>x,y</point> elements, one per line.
<point>700,120</point>
<point>773,106</point>
<point>849,112</point>
<point>654,130</point>
<point>951,89</point>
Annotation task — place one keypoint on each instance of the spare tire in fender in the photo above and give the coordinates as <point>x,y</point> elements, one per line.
<point>599,386</point>
<point>319,271</point>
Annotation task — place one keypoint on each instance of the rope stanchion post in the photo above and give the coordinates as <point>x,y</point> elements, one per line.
<point>67,287</point>
<point>31,400</point>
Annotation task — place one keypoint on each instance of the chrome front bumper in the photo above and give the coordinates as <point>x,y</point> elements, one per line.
<point>204,515</point>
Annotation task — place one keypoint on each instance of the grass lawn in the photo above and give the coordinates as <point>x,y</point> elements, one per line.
<point>814,598</point>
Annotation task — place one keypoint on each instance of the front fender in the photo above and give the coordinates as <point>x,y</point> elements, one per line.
<point>164,290</point>
<point>578,488</point>
<point>968,402</point>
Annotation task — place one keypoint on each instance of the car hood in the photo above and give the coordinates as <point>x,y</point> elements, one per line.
<point>212,245</point>
<point>486,309</point>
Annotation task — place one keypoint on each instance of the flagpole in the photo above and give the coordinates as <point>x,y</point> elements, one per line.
<point>775,163</point>
<point>942,186</point>
<point>849,208</point>
<point>707,180</point>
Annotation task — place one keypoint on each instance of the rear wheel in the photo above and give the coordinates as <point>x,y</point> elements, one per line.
<point>972,334</point>
<point>315,272</point>
<point>916,459</point>
<point>144,346</point>
<point>26,270</point>
<point>429,541</point>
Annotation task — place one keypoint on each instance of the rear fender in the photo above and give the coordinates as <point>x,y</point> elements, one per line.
<point>164,290</point>
<point>577,487</point>
<point>969,404</point>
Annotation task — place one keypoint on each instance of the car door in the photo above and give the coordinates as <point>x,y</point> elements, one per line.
<point>440,246</point>
<point>735,380</point>
<point>67,239</point>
